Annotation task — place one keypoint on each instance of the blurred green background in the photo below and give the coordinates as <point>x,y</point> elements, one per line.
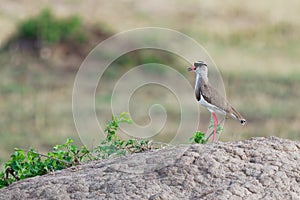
<point>255,45</point>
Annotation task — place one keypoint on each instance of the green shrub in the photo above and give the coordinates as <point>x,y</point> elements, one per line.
<point>46,28</point>
<point>24,165</point>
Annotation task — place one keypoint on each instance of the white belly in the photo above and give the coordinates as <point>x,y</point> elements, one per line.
<point>210,107</point>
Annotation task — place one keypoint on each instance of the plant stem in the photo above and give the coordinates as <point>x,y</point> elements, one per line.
<point>66,162</point>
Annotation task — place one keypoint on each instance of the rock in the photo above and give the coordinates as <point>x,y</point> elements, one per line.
<point>258,168</point>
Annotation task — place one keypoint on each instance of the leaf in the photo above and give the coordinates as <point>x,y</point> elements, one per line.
<point>199,137</point>
<point>69,141</point>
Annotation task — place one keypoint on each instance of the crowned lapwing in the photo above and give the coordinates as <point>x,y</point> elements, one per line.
<point>210,98</point>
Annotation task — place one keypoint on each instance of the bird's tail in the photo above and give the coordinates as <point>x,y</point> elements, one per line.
<point>236,115</point>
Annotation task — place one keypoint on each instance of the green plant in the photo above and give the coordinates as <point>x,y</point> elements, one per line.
<point>113,146</point>
<point>218,130</point>
<point>28,164</point>
<point>46,28</point>
<point>66,155</point>
<point>199,137</point>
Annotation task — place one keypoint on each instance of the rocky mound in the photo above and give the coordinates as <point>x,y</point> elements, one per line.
<point>259,168</point>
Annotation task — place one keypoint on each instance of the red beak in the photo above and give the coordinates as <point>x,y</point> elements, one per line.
<point>191,68</point>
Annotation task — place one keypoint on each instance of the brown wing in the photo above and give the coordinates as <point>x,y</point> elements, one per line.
<point>212,96</point>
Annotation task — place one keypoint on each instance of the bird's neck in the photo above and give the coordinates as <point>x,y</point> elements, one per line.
<point>201,79</point>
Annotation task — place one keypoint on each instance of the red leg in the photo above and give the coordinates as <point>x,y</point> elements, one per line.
<point>215,126</point>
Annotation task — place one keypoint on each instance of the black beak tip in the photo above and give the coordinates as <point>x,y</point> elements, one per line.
<point>243,121</point>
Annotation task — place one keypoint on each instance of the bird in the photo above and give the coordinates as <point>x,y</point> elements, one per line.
<point>210,98</point>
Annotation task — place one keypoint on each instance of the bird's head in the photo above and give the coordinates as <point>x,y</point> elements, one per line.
<point>199,67</point>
